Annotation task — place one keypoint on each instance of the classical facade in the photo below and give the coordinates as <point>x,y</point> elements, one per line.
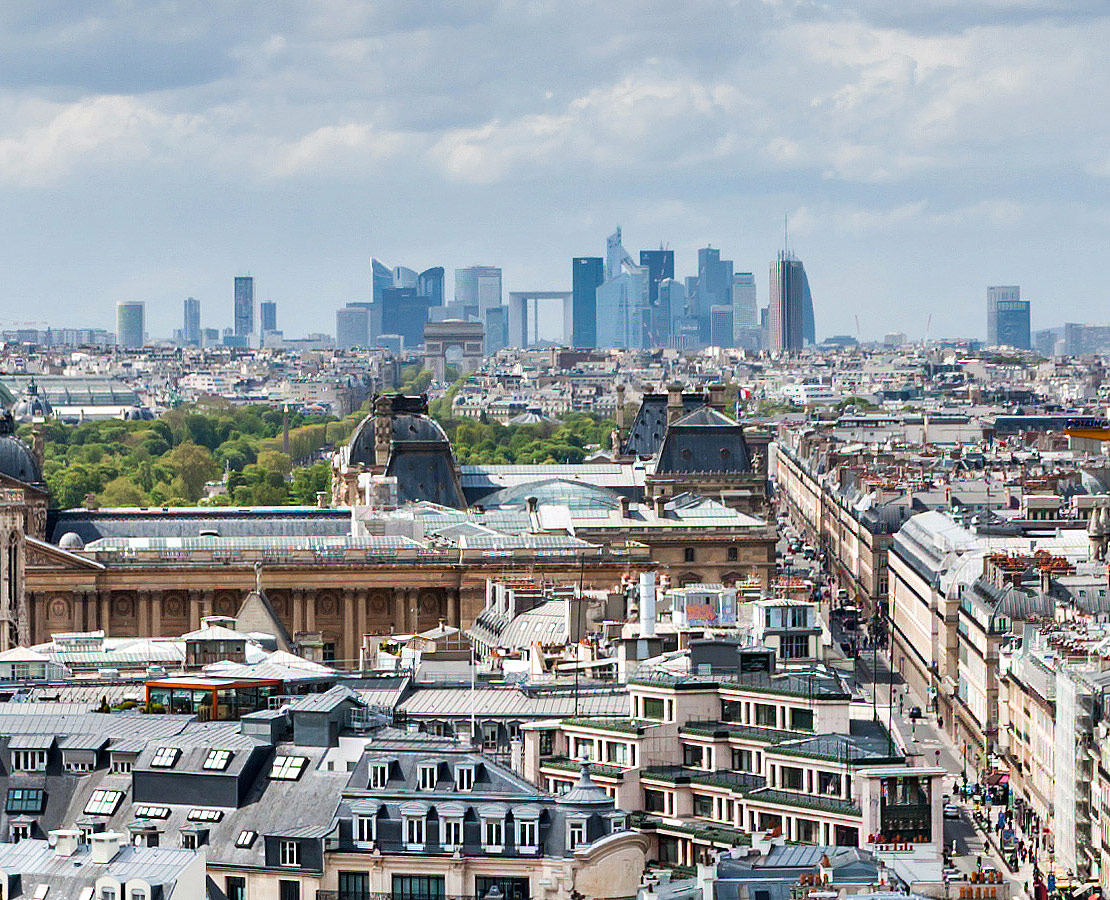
<point>339,588</point>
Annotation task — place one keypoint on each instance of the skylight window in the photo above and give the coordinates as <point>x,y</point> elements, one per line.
<point>165,757</point>
<point>246,838</point>
<point>287,768</point>
<point>103,803</point>
<point>218,760</point>
<point>152,812</point>
<point>201,814</point>
<point>24,800</point>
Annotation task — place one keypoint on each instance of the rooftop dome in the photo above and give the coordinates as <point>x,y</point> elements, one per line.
<point>16,459</point>
<point>71,541</point>
<point>584,792</point>
<point>137,413</point>
<point>32,404</point>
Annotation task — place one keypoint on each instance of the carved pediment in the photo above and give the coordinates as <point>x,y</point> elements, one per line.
<point>44,555</point>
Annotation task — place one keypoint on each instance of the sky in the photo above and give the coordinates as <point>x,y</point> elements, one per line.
<point>919,150</point>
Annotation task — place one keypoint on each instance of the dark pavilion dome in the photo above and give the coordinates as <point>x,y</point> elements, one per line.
<point>16,459</point>
<point>32,404</point>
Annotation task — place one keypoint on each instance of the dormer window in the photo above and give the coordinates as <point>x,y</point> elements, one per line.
<point>414,832</point>
<point>289,853</point>
<point>20,831</point>
<point>464,778</point>
<point>366,829</point>
<point>576,833</point>
<point>428,775</point>
<point>28,760</point>
<point>527,835</point>
<point>452,837</point>
<point>165,757</point>
<point>493,835</point>
<point>379,775</point>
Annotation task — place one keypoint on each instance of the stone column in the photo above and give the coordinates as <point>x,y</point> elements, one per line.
<point>207,602</point>
<point>310,611</point>
<point>156,613</point>
<point>194,601</point>
<point>349,599</point>
<point>105,608</point>
<point>362,600</point>
<point>411,599</point>
<point>142,600</point>
<point>453,607</point>
<point>297,600</point>
<point>400,615</point>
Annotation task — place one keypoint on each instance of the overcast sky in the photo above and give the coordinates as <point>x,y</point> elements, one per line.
<point>922,150</point>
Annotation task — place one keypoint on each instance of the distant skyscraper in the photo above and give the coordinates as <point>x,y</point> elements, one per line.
<point>1007,317</point>
<point>430,284</point>
<point>268,315</point>
<point>746,332</point>
<point>244,305</point>
<point>478,286</point>
<point>714,287</point>
<point>789,288</point>
<point>405,312</point>
<point>381,277</point>
<point>352,327</point>
<point>130,323</point>
<point>403,276</point>
<point>660,265</point>
<point>191,334</point>
<point>623,313</point>
<point>587,275</point>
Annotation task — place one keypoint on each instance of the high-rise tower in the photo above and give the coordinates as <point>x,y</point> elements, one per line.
<point>1007,317</point>
<point>244,306</point>
<point>190,332</point>
<point>789,300</point>
<point>587,275</point>
<point>130,323</point>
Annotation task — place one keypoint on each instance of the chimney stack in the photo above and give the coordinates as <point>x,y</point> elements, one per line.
<point>620,406</point>
<point>647,604</point>
<point>104,846</point>
<point>626,507</point>
<point>674,402</point>
<point>717,397</point>
<point>65,841</point>
<point>660,503</point>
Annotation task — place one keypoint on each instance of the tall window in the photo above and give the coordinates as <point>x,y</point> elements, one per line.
<point>688,554</point>
<point>353,885</point>
<point>235,887</point>
<point>464,778</point>
<point>289,890</point>
<point>418,887</point>
<point>428,777</point>
<point>379,775</point>
<point>576,834</point>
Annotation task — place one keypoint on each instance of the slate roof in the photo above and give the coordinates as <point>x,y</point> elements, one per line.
<point>649,425</point>
<point>704,441</point>
<point>262,521</point>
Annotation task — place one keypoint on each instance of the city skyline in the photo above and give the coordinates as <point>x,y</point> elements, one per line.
<point>158,154</point>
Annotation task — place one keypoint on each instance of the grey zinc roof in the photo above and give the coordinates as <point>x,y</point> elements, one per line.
<point>37,862</point>
<point>329,700</point>
<point>511,702</point>
<point>291,521</point>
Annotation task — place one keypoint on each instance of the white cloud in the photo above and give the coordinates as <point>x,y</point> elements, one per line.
<point>108,130</point>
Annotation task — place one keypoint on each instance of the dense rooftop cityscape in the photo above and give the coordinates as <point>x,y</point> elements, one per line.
<point>514,451</point>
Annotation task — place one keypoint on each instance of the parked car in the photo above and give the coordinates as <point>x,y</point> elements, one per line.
<point>951,811</point>
<point>915,712</point>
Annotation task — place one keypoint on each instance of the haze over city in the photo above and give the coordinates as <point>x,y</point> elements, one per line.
<point>152,151</point>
